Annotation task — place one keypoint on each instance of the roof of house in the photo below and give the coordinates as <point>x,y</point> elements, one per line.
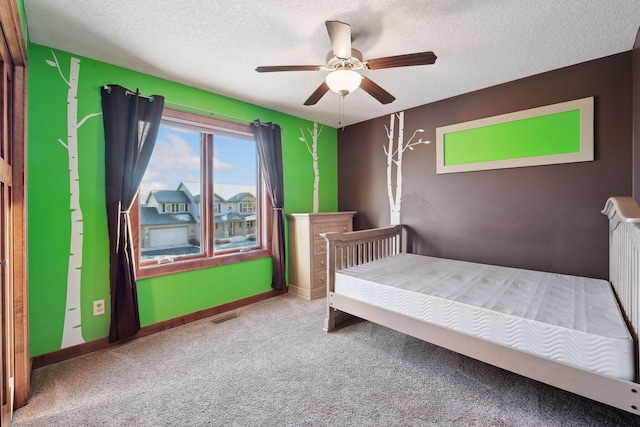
<point>192,187</point>
<point>240,196</point>
<point>169,196</point>
<point>225,192</point>
<point>151,216</point>
<point>234,217</point>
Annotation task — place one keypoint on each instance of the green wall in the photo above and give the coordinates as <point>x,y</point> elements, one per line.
<point>545,135</point>
<point>160,298</point>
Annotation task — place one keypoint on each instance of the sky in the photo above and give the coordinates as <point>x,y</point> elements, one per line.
<point>176,158</point>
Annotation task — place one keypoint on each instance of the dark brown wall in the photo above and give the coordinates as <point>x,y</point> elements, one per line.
<point>543,218</point>
<point>636,119</point>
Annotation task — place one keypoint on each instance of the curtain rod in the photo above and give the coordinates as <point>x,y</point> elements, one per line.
<point>215,113</point>
<point>212,113</point>
<point>129,93</point>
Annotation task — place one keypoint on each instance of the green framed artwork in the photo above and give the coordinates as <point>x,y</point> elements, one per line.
<point>558,133</point>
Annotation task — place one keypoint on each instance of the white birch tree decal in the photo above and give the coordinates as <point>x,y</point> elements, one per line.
<point>72,329</point>
<point>313,150</point>
<point>394,157</point>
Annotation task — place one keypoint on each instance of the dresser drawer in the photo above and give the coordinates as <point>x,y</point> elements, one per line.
<point>319,244</point>
<point>319,281</point>
<point>320,262</point>
<point>329,227</point>
<point>319,247</point>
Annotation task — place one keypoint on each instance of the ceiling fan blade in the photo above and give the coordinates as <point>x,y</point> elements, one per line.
<point>376,91</point>
<point>272,68</point>
<point>317,94</point>
<point>340,36</point>
<point>421,58</point>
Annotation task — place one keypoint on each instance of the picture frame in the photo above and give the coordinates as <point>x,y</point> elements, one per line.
<point>551,134</point>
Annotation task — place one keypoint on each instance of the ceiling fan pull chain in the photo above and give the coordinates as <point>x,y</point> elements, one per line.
<point>341,111</point>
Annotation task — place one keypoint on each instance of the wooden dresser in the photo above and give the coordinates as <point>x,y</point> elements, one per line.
<point>308,251</point>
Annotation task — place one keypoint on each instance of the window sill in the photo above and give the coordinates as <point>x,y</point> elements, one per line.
<point>156,270</point>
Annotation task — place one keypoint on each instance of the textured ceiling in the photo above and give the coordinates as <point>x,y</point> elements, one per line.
<point>215,45</point>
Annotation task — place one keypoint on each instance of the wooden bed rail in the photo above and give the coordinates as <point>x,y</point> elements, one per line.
<point>624,258</point>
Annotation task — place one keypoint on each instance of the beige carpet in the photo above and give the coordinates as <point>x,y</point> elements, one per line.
<point>271,364</point>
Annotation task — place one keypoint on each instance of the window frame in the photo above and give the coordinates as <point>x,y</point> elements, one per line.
<point>208,258</point>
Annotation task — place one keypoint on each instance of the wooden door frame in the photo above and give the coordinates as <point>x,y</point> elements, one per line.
<point>14,35</point>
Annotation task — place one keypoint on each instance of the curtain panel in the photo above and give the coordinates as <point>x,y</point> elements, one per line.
<point>269,144</point>
<point>131,123</point>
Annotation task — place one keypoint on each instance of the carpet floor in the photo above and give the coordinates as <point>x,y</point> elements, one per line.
<point>271,364</point>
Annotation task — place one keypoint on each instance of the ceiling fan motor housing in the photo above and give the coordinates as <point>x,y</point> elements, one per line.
<point>354,63</point>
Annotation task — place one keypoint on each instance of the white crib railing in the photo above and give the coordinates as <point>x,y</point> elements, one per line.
<point>624,258</point>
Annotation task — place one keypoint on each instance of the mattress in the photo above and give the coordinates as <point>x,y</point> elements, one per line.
<point>573,320</point>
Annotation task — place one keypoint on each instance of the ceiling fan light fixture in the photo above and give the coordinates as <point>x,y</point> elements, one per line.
<point>343,82</point>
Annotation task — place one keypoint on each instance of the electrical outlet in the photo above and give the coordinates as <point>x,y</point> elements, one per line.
<point>98,307</point>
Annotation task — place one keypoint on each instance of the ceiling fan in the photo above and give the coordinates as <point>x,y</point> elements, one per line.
<point>344,62</point>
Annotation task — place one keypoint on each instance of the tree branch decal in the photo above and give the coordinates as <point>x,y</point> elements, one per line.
<point>394,157</point>
<point>313,150</point>
<point>72,329</point>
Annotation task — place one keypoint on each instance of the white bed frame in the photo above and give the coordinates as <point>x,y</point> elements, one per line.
<point>358,247</point>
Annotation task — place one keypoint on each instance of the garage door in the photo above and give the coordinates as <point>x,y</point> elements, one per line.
<point>167,236</point>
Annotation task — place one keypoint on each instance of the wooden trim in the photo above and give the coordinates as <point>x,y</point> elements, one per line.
<point>70,352</point>
<point>102,343</point>
<point>13,37</point>
<point>184,265</point>
<point>20,279</point>
<point>178,116</point>
<point>12,28</point>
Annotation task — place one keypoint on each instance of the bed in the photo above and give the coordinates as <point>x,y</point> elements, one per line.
<point>578,334</point>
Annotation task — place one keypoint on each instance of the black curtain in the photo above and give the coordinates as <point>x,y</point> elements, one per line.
<point>269,144</point>
<point>131,123</point>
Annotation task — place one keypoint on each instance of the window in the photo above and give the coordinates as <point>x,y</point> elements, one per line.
<point>198,167</point>
<point>247,207</point>
<point>174,207</point>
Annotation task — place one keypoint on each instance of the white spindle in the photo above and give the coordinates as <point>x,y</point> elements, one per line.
<point>624,258</point>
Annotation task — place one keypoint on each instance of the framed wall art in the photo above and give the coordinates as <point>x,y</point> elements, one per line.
<point>552,134</point>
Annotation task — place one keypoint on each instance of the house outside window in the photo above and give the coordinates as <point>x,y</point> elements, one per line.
<point>198,198</point>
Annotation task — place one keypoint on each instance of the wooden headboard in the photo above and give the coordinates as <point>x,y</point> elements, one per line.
<point>345,250</point>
